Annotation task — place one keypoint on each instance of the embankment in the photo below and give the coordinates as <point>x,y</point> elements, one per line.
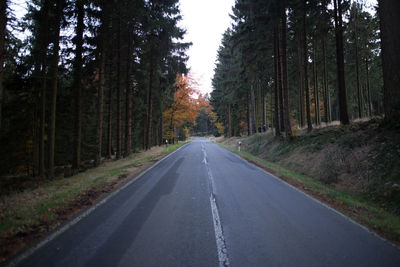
<point>354,168</point>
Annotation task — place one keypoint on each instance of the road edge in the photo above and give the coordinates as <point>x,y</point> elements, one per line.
<point>314,199</point>
<point>26,252</point>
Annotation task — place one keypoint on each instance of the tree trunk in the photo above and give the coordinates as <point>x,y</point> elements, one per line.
<point>257,117</point>
<point>261,106</point>
<point>276,83</point>
<point>344,117</point>
<point>300,80</point>
<point>264,103</point>
<point>286,113</point>
<point>305,58</point>
<point>150,104</point>
<point>54,83</point>
<point>35,128</point>
<point>43,50</point>
<point>109,67</point>
<point>359,97</point>
<point>281,110</point>
<point>368,89</point>
<point>100,104</point>
<point>33,131</point>
<point>3,24</point>
<point>325,83</point>
<point>389,13</point>
<point>128,99</point>
<point>160,128</point>
<point>249,122</point>
<point>252,110</point>
<point>271,112</point>
<point>118,84</point>
<point>280,83</point>
<point>232,122</point>
<point>100,90</point>
<point>144,129</point>
<point>79,9</point>
<point>229,121</point>
<point>316,92</point>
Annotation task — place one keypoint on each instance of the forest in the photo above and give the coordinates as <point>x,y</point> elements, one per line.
<point>303,64</point>
<point>88,80</point>
<point>97,99</point>
<point>82,81</point>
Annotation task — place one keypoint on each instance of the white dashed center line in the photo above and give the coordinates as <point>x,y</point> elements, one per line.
<point>219,237</point>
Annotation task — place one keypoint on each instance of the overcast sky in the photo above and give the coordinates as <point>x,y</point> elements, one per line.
<point>205,22</point>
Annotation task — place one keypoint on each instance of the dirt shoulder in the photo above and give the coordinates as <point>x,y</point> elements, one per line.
<point>27,216</point>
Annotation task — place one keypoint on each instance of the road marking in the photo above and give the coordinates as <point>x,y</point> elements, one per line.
<point>82,215</point>
<point>219,236</point>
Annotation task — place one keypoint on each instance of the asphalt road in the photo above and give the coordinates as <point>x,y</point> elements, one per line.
<point>204,206</point>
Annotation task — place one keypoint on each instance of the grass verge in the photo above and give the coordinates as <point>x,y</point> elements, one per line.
<point>354,206</point>
<point>28,215</point>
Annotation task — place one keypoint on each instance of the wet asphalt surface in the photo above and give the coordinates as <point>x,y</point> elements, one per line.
<point>165,219</point>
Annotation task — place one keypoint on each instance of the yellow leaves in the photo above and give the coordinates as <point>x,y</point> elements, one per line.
<point>185,107</point>
<point>187,134</point>
<point>220,127</point>
<point>168,134</point>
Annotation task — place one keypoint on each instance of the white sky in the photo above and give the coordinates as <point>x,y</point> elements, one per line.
<point>205,22</point>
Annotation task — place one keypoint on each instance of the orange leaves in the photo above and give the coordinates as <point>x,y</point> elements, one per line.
<point>185,107</point>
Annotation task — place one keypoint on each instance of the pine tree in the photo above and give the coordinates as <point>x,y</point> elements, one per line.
<point>3,23</point>
<point>288,128</point>
<point>44,41</point>
<point>357,60</point>
<point>315,76</point>
<point>301,77</point>
<point>338,18</point>
<point>161,28</point>
<point>101,78</point>
<point>77,72</point>
<point>389,14</point>
<point>58,10</point>
<point>305,65</point>
<point>117,24</point>
<point>276,82</point>
<point>51,77</point>
<point>325,83</point>
<point>128,100</point>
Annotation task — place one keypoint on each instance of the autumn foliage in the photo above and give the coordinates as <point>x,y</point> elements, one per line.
<point>184,110</point>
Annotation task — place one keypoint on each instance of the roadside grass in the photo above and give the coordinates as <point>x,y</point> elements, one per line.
<point>351,204</point>
<point>41,209</point>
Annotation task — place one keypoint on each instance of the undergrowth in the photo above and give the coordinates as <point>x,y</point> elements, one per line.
<point>357,166</point>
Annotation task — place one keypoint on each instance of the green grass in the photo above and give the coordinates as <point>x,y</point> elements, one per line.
<point>173,147</point>
<point>372,215</point>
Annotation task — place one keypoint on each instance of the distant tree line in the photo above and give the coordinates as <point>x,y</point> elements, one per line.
<point>301,63</point>
<point>90,81</point>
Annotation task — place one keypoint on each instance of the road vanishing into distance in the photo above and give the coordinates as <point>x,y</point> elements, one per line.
<point>205,206</point>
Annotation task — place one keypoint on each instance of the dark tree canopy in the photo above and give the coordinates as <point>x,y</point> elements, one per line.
<point>287,64</point>
<point>91,80</point>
